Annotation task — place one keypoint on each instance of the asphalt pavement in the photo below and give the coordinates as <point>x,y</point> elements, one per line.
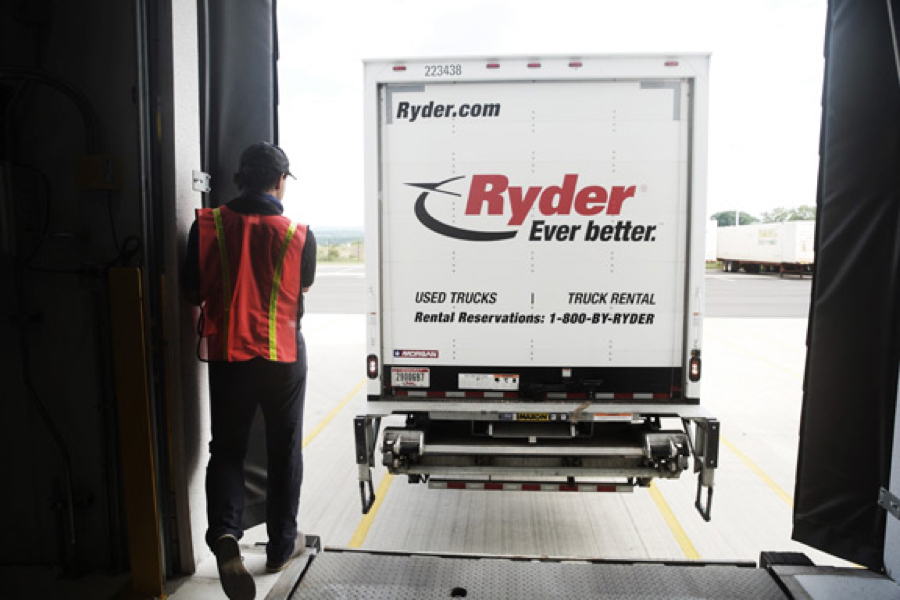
<point>339,289</point>
<point>744,295</point>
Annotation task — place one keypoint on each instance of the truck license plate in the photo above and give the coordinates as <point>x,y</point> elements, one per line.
<point>417,377</point>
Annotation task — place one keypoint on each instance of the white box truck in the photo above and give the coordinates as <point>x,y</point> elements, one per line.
<point>535,259</point>
<point>786,247</point>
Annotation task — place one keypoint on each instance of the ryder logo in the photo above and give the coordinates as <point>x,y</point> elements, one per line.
<point>492,194</point>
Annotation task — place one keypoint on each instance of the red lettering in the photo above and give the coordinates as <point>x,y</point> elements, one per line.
<point>488,193</point>
<point>520,206</point>
<point>563,195</point>
<point>590,200</point>
<point>619,194</point>
<point>486,189</point>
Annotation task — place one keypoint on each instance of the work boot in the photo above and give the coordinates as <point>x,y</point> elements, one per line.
<point>237,582</point>
<point>299,548</point>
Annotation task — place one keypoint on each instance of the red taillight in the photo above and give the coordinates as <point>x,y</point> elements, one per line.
<point>372,366</point>
<point>694,366</point>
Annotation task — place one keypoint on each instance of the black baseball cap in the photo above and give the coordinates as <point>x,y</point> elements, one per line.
<point>265,156</point>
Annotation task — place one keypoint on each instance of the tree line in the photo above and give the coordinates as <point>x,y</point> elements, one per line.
<point>726,218</point>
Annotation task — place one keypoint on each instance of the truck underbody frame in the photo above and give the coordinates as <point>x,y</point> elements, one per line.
<point>499,447</point>
<point>754,266</point>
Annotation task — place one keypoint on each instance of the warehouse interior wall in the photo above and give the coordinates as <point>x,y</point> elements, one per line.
<point>96,151</point>
<point>70,201</point>
<point>110,111</point>
<point>186,397</point>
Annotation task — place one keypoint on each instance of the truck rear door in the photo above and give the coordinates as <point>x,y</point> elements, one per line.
<point>534,236</point>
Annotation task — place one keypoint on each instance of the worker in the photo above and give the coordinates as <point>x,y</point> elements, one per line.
<point>247,266</point>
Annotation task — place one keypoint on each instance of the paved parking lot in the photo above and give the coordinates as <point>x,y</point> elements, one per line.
<point>744,295</point>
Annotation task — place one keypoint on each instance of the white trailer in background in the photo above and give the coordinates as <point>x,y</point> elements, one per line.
<point>712,236</point>
<point>786,247</point>
<point>535,234</point>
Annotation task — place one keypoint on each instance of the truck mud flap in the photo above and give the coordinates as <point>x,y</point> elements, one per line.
<point>706,460</point>
<point>365,433</point>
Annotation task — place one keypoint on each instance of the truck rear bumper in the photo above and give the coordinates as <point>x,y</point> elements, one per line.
<point>486,410</point>
<point>496,442</point>
<point>459,449</point>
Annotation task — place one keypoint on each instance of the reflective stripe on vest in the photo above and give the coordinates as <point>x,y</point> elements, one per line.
<point>226,278</point>
<point>273,298</point>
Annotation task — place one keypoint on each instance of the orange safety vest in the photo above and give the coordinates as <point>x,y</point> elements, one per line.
<point>249,284</point>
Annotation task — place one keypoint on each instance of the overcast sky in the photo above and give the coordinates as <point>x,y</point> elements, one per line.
<point>765,81</point>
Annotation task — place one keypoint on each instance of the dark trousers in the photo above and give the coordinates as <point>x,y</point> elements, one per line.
<point>236,389</point>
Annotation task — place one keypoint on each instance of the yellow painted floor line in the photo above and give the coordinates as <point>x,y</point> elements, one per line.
<point>759,473</point>
<point>362,530</point>
<point>677,530</point>
<point>324,422</point>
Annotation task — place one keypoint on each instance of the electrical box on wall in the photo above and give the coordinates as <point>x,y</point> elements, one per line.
<point>98,172</point>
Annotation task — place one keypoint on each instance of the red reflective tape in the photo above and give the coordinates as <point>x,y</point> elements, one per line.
<point>528,487</point>
<point>623,396</point>
<point>660,396</point>
<point>439,394</point>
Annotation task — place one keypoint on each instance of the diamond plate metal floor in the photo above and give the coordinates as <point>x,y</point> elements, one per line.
<point>372,576</point>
